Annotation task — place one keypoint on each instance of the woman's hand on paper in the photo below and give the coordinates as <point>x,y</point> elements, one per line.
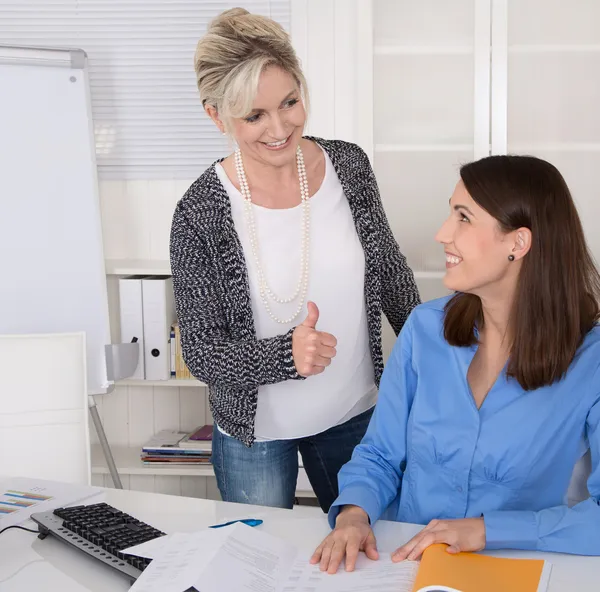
<point>352,534</point>
<point>312,350</point>
<point>464,534</point>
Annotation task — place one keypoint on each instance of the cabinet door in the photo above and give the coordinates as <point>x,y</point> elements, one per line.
<point>431,114</point>
<point>546,87</point>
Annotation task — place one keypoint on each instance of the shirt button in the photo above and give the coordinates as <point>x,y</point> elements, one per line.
<point>459,489</point>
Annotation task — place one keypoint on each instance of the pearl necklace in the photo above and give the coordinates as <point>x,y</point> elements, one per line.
<point>265,291</point>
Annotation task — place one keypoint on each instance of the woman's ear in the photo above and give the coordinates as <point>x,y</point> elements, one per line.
<point>522,243</point>
<point>214,115</point>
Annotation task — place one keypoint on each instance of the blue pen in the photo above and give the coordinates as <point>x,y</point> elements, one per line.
<point>248,521</point>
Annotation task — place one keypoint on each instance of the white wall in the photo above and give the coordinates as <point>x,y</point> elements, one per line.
<point>334,42</point>
<point>136,217</point>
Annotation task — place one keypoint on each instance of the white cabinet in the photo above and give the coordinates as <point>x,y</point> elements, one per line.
<point>137,409</point>
<point>550,96</point>
<point>426,96</point>
<point>456,80</point>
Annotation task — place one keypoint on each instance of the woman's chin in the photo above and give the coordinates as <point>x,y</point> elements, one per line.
<point>452,285</point>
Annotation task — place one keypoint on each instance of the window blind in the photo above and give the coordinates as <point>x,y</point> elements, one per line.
<point>148,120</point>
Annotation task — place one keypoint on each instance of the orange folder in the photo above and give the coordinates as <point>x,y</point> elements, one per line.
<point>470,572</point>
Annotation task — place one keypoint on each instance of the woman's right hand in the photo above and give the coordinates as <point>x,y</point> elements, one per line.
<point>352,534</point>
<point>312,350</point>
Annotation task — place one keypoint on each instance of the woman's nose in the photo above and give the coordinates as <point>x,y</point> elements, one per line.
<point>277,128</point>
<point>444,234</point>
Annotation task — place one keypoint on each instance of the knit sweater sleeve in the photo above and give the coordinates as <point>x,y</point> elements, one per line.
<point>208,349</point>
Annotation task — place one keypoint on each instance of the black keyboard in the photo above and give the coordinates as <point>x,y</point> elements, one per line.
<point>102,531</point>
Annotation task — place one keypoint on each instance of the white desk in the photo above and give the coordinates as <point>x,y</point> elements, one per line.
<point>28,563</point>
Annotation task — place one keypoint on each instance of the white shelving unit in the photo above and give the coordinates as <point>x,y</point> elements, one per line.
<point>546,92</point>
<point>137,267</point>
<point>428,118</point>
<point>137,409</point>
<point>455,81</point>
<point>173,382</point>
<point>152,394</point>
<point>380,148</point>
<point>553,48</point>
<point>424,50</point>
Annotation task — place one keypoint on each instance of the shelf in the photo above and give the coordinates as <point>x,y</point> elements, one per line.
<point>172,382</point>
<point>422,50</point>
<point>553,48</point>
<point>137,267</point>
<point>424,147</point>
<point>554,147</point>
<point>128,463</point>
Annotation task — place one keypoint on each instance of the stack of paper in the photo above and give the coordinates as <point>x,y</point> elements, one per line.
<point>169,446</point>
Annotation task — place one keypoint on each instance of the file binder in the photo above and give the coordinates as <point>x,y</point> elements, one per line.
<point>132,318</point>
<point>159,314</point>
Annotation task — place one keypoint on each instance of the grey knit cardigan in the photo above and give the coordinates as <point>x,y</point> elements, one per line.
<point>212,294</point>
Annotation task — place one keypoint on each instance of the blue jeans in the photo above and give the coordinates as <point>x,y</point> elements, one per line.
<point>266,473</point>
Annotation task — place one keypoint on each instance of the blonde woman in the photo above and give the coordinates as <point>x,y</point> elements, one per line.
<point>282,262</point>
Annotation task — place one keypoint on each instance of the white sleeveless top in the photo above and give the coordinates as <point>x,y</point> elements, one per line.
<point>299,408</point>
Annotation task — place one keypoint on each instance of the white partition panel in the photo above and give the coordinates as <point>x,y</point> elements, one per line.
<point>44,407</point>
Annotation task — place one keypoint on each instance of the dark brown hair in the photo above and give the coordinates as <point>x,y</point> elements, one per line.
<point>558,291</point>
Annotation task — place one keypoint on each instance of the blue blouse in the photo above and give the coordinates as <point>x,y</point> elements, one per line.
<point>430,453</point>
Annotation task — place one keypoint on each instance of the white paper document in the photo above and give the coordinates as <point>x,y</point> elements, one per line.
<point>249,560</point>
<point>381,576</point>
<point>151,549</point>
<point>21,497</point>
<point>246,559</point>
<point>176,567</point>
<point>230,558</point>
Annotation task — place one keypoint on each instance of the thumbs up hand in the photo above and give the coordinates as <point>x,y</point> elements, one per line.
<point>312,350</point>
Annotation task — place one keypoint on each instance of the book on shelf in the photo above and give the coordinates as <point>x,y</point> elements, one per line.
<point>199,439</point>
<point>179,368</point>
<point>179,460</point>
<point>172,352</point>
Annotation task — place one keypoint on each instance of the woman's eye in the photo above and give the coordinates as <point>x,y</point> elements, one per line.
<point>291,102</point>
<point>253,118</point>
<point>463,218</point>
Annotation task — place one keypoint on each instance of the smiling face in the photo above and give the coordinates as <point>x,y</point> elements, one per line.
<point>477,251</point>
<point>272,130</point>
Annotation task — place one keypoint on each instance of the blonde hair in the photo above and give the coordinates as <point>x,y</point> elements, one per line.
<point>229,59</point>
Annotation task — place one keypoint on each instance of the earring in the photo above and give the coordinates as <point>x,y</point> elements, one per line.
<point>511,257</point>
